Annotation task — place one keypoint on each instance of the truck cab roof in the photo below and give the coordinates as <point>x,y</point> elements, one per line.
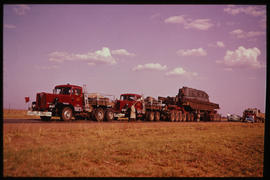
<point>130,94</point>
<point>68,85</point>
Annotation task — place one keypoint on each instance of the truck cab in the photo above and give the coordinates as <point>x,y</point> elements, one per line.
<point>126,101</point>
<point>69,95</point>
<point>64,101</point>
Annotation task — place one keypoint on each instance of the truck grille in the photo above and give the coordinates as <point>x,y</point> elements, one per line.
<point>41,101</point>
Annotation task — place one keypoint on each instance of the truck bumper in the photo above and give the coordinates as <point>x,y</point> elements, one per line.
<point>39,113</point>
<point>119,115</point>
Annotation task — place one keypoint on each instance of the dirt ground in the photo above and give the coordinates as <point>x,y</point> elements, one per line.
<point>131,149</point>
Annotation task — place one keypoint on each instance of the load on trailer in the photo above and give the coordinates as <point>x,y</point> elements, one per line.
<point>68,101</point>
<point>188,105</point>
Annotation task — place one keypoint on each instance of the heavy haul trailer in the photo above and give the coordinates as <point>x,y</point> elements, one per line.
<point>197,104</point>
<point>68,101</point>
<point>188,105</point>
<point>191,105</point>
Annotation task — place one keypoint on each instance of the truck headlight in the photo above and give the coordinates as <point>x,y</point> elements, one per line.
<point>51,106</point>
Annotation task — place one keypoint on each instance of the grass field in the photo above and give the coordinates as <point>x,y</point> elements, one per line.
<point>19,114</point>
<point>188,149</point>
<point>13,114</point>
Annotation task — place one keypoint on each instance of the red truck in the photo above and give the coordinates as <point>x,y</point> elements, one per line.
<point>68,101</point>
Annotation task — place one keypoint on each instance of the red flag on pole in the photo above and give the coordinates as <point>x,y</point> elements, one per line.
<point>27,99</point>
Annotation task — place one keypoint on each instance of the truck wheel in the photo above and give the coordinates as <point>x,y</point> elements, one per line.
<point>180,116</point>
<point>157,116</point>
<point>172,117</point>
<point>184,117</point>
<point>176,116</point>
<point>45,118</point>
<point>99,114</point>
<point>109,115</point>
<point>151,116</point>
<point>187,117</point>
<point>67,114</point>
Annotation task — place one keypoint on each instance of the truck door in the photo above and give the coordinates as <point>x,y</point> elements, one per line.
<point>77,99</point>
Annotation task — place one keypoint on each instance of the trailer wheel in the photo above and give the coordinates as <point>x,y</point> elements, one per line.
<point>151,116</point>
<point>184,117</point>
<point>45,118</point>
<point>176,116</point>
<point>109,115</point>
<point>172,116</point>
<point>157,116</point>
<point>180,116</point>
<point>67,114</point>
<point>99,114</point>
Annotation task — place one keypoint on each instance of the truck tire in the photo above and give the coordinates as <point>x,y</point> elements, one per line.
<point>157,116</point>
<point>176,116</point>
<point>99,115</point>
<point>184,117</point>
<point>172,116</point>
<point>192,117</point>
<point>109,115</point>
<point>67,114</point>
<point>151,116</point>
<point>180,116</point>
<point>45,118</point>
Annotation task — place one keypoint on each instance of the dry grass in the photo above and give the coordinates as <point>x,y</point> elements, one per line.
<point>134,149</point>
<point>19,114</point>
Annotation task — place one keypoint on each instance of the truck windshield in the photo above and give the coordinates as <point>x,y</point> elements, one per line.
<point>128,97</point>
<point>62,90</point>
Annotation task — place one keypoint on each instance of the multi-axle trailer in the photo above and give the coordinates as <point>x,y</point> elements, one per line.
<point>73,102</point>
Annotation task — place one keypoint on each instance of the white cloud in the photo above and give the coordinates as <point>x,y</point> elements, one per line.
<point>242,57</point>
<point>192,52</point>
<point>176,71</point>
<point>188,23</point>
<point>150,66</point>
<point>21,9</point>
<point>201,24</point>
<point>9,26</point>
<point>176,20</point>
<point>220,44</point>
<point>217,44</point>
<point>46,67</point>
<point>248,10</point>
<point>122,52</point>
<point>239,33</point>
<point>100,56</point>
<point>236,32</point>
<point>179,71</point>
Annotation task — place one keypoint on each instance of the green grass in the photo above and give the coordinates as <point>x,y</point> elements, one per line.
<point>134,149</point>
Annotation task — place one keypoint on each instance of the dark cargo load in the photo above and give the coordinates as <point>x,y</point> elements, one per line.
<point>200,105</point>
<point>196,99</point>
<point>193,94</point>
